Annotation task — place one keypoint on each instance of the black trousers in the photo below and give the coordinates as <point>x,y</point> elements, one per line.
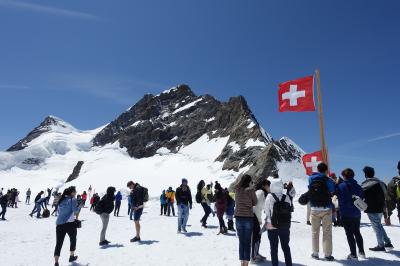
<point>61,231</point>
<point>117,208</point>
<point>207,211</point>
<point>282,235</point>
<point>352,229</point>
<point>164,208</point>
<point>255,238</point>
<point>3,210</point>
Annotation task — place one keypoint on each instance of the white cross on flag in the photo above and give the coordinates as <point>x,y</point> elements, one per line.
<point>297,95</point>
<point>311,161</point>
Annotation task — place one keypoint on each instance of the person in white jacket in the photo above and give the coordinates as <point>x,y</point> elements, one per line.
<point>261,193</point>
<point>279,232</point>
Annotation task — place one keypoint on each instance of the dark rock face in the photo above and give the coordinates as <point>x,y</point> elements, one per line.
<point>75,172</point>
<point>44,127</point>
<point>178,118</point>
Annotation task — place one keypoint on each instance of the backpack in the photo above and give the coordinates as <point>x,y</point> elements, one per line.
<point>145,194</point>
<point>282,213</point>
<point>46,213</point>
<point>199,198</point>
<point>319,193</point>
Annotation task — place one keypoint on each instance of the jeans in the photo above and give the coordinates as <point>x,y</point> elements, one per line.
<point>183,216</point>
<point>376,222</point>
<point>61,231</point>
<point>256,238</point>
<point>105,218</point>
<point>171,207</point>
<point>352,228</point>
<point>284,236</point>
<point>207,211</point>
<point>244,228</point>
<point>37,209</point>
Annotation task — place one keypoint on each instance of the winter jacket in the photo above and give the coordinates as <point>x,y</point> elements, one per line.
<point>375,195</point>
<point>392,188</point>
<point>258,209</point>
<point>38,197</point>
<point>137,196</point>
<point>245,199</point>
<point>106,203</point>
<point>345,192</point>
<point>206,195</point>
<point>277,189</point>
<point>170,196</point>
<point>28,193</point>
<point>163,199</point>
<point>331,188</point>
<point>221,203</point>
<point>84,197</point>
<point>118,197</point>
<point>66,210</point>
<point>183,196</point>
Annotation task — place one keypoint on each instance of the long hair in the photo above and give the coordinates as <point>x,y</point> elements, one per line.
<point>67,192</point>
<point>245,181</point>
<point>201,184</point>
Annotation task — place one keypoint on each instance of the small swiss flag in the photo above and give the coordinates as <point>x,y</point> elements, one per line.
<point>311,162</point>
<point>297,95</point>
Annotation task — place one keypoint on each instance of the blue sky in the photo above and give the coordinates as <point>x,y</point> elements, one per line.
<point>87,61</point>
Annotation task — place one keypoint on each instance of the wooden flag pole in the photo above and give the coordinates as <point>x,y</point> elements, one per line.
<point>324,148</point>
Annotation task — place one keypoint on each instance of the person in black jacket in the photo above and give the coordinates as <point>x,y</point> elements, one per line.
<point>3,204</point>
<point>183,198</point>
<point>375,196</point>
<point>104,208</point>
<point>137,196</point>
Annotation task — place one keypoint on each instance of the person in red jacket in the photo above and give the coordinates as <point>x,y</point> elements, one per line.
<point>221,203</point>
<point>84,198</point>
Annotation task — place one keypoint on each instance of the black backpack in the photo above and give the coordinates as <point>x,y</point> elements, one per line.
<point>199,198</point>
<point>282,213</point>
<point>318,193</point>
<point>145,194</point>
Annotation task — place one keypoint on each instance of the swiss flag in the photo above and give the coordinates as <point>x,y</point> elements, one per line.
<point>311,161</point>
<point>297,95</point>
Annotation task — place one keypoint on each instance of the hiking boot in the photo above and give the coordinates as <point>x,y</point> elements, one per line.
<point>378,249</point>
<point>352,257</point>
<point>73,258</point>
<point>329,258</point>
<point>135,239</point>
<point>255,261</point>
<point>308,223</point>
<point>389,246</point>
<point>184,230</point>
<point>315,256</point>
<point>204,225</point>
<point>56,264</point>
<point>362,255</point>
<point>230,226</point>
<point>103,243</point>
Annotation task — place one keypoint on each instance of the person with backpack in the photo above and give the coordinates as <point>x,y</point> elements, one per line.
<point>28,196</point>
<point>139,196</point>
<point>347,191</point>
<point>68,209</point>
<point>118,200</point>
<point>221,202</point>
<point>202,198</point>
<point>394,191</point>
<point>262,191</point>
<point>3,204</point>
<point>375,193</point>
<point>321,190</point>
<point>163,203</point>
<point>184,203</point>
<point>170,200</point>
<point>278,209</point>
<point>246,199</point>
<point>104,208</point>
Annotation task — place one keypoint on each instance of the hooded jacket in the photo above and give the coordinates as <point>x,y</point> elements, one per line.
<point>375,194</point>
<point>107,202</point>
<point>345,192</point>
<point>277,189</point>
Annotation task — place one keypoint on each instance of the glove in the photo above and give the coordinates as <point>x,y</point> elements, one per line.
<point>190,206</point>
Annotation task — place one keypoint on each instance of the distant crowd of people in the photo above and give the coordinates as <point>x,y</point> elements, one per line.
<point>256,208</point>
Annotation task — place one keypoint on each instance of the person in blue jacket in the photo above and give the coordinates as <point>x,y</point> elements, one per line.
<point>118,199</point>
<point>351,215</point>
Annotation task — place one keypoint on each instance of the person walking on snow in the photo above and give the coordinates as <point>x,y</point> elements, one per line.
<point>278,208</point>
<point>246,199</point>
<point>171,201</point>
<point>28,196</point>
<point>350,214</point>
<point>104,208</point>
<point>163,203</point>
<point>202,198</point>
<point>184,203</point>
<point>375,196</point>
<point>230,210</point>
<point>221,203</point>
<point>261,193</point>
<point>321,190</point>
<point>118,200</point>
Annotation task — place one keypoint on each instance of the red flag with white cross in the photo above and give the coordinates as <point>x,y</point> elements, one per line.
<point>297,95</point>
<point>311,162</point>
